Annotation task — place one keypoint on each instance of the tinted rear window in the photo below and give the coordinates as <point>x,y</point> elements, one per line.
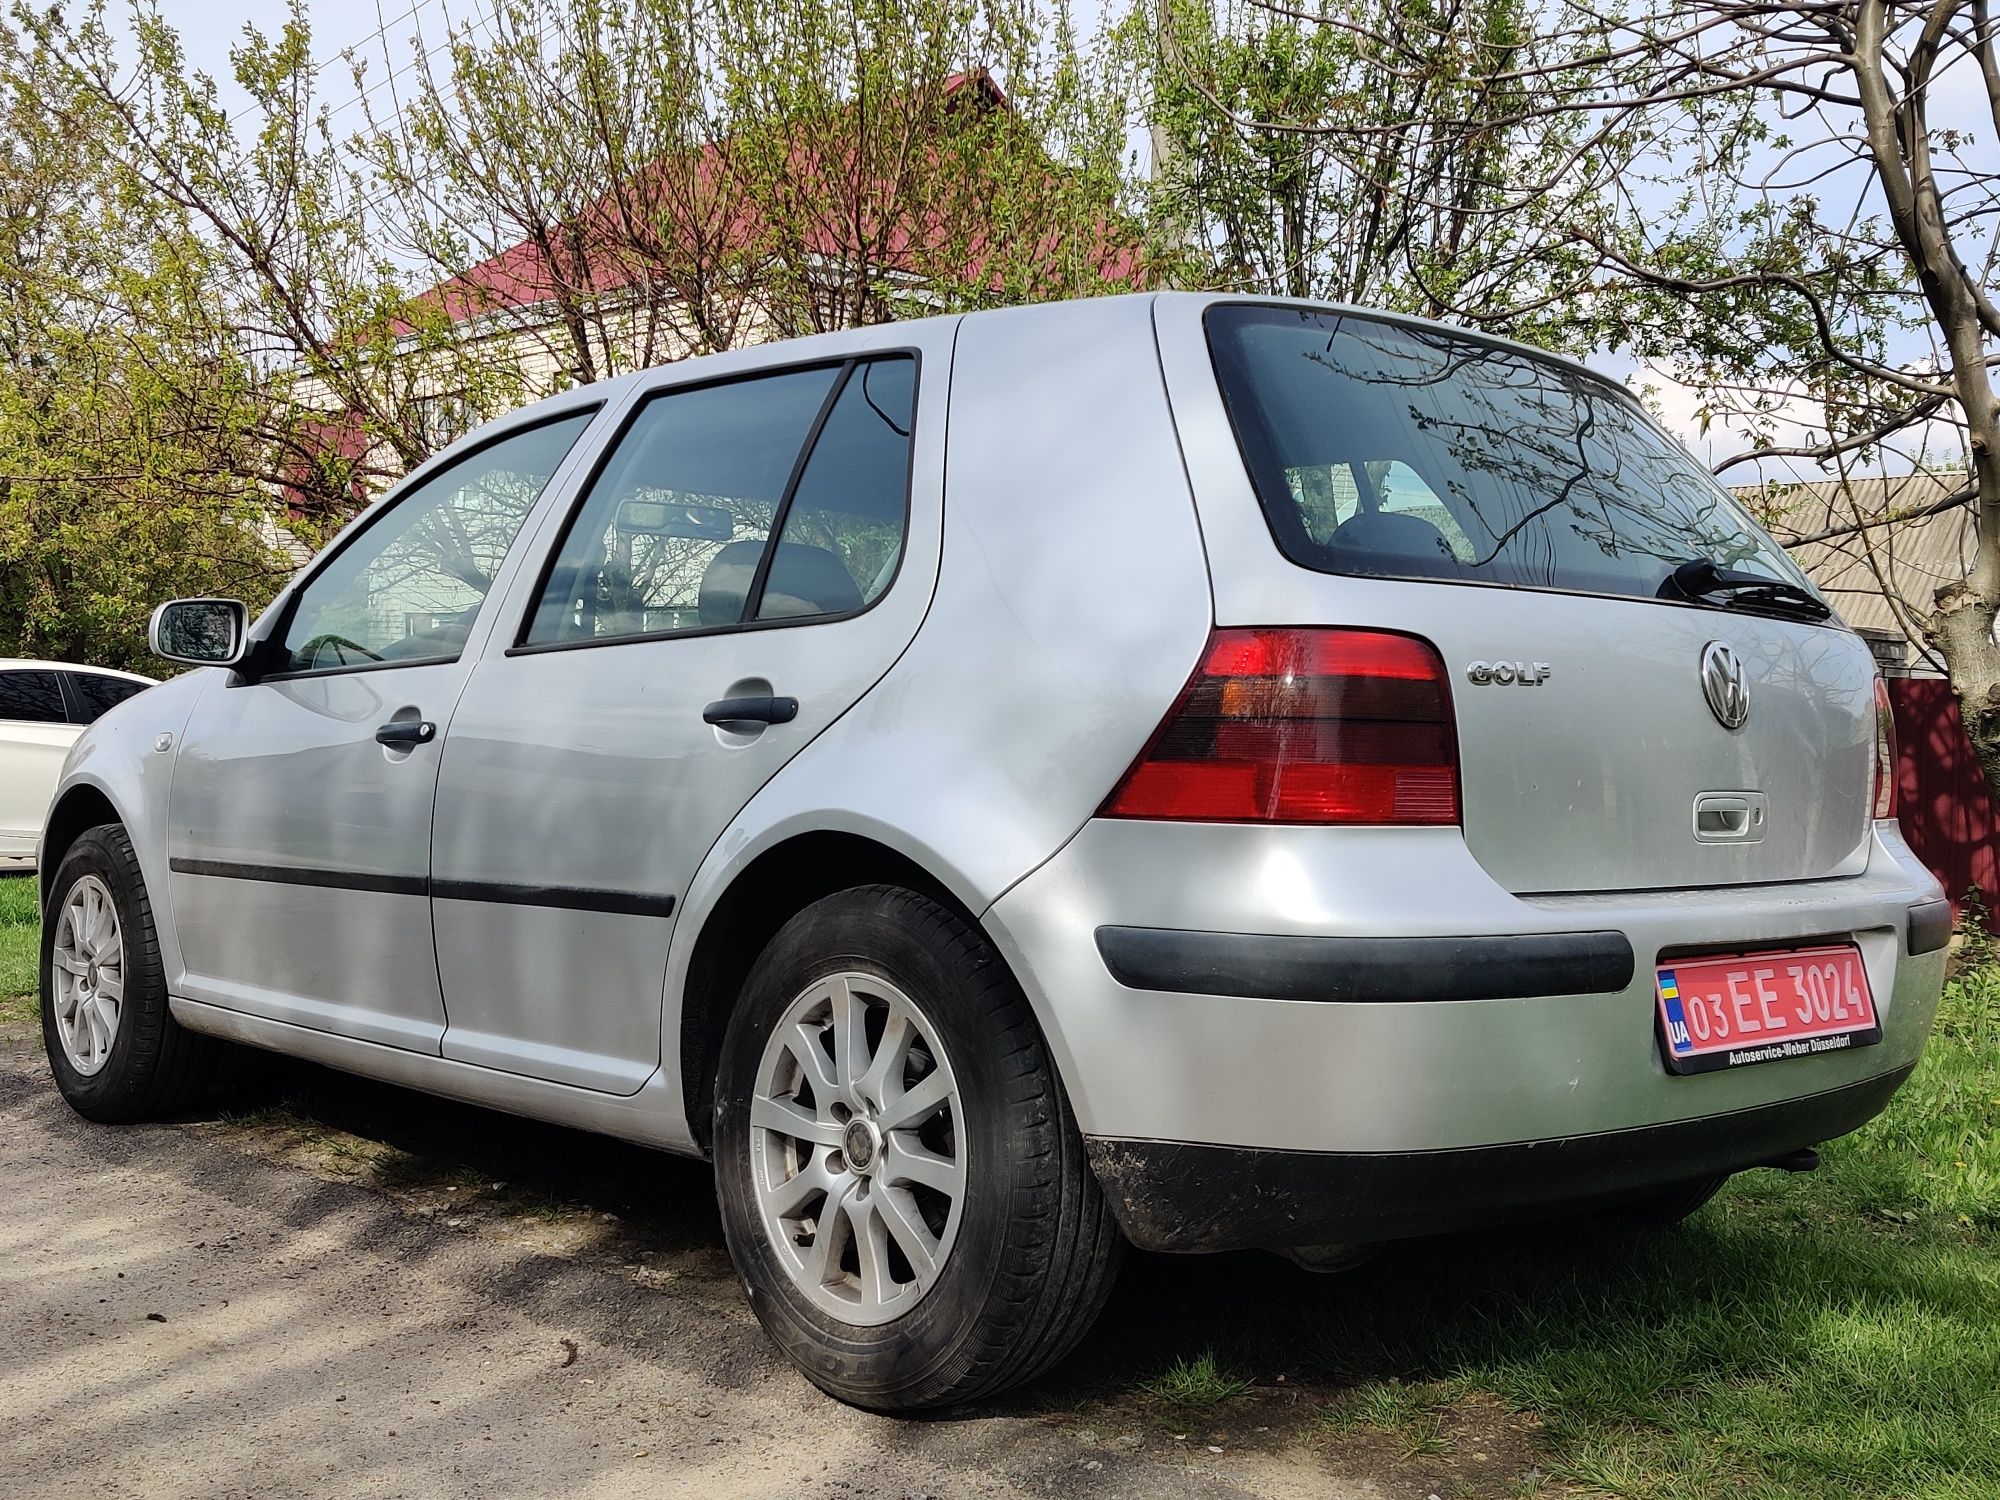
<point>96,694</point>
<point>35,697</point>
<point>1406,452</point>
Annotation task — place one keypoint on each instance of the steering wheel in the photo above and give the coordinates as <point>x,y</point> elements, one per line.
<point>312,648</point>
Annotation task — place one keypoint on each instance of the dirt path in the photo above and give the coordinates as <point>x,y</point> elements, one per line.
<point>206,1309</point>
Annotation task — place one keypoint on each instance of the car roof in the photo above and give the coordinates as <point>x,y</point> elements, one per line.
<point>18,663</point>
<point>834,344</point>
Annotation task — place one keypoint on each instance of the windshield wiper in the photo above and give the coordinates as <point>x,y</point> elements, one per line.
<point>1701,581</point>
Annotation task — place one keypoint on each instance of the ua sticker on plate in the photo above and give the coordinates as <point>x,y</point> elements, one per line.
<point>1731,1010</point>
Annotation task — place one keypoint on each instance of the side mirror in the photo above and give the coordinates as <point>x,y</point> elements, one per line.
<point>200,632</point>
<point>708,523</point>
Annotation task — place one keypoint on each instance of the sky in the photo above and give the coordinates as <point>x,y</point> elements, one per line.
<point>209,28</point>
<point>390,34</point>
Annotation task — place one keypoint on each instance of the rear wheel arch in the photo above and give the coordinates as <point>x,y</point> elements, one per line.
<point>766,894</point>
<point>79,809</point>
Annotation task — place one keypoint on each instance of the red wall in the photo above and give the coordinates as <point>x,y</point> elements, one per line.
<point>1941,796</point>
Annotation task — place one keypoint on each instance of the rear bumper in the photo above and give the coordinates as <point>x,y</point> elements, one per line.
<point>1178,1196</point>
<point>1371,997</point>
<point>1371,970</point>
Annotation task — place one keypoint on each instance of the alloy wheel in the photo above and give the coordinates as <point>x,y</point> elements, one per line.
<point>87,965</point>
<point>857,1155</point>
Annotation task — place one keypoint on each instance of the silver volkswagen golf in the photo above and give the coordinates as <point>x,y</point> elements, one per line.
<point>1192,771</point>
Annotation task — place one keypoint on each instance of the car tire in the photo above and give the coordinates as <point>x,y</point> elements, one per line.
<point>1028,1260</point>
<point>1667,1209</point>
<point>153,1065</point>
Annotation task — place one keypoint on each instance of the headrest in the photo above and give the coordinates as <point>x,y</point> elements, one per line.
<point>1390,533</point>
<point>804,581</point>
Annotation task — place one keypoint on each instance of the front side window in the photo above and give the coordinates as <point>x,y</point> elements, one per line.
<point>32,697</point>
<point>1404,452</point>
<point>408,588</point>
<point>675,534</point>
<point>96,694</point>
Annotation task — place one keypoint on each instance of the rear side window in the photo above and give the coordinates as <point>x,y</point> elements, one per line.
<point>1406,452</point>
<point>93,694</point>
<point>676,531</point>
<point>851,497</point>
<point>32,697</point>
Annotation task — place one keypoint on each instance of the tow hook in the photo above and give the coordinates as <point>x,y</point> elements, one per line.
<point>1805,1159</point>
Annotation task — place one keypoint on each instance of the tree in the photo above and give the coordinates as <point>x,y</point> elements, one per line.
<point>619,184</point>
<point>1792,231</point>
<point>248,324</point>
<point>1295,154</point>
<point>126,431</point>
<point>295,279</point>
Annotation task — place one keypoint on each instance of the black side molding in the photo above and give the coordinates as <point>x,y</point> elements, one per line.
<point>1353,969</point>
<point>562,897</point>
<point>1930,927</point>
<point>332,880</point>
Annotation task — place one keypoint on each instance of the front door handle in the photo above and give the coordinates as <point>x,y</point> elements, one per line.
<point>406,732</point>
<point>751,710</point>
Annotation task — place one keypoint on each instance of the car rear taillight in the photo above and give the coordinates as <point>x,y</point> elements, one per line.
<point>1885,752</point>
<point>1303,726</point>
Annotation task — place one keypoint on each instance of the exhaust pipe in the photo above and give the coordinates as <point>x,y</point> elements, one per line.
<point>1329,1260</point>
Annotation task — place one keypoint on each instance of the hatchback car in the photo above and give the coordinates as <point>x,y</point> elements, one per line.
<point>1172,769</point>
<point>43,707</point>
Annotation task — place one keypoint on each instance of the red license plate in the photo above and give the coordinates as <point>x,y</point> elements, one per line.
<point>1729,1010</point>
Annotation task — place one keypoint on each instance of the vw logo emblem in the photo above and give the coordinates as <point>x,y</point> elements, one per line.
<point>1725,685</point>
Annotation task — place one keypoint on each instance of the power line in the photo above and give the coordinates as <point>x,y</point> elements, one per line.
<point>381,30</point>
<point>374,202</point>
<point>414,63</point>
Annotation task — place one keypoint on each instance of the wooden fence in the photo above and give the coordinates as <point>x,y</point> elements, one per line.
<point>1946,810</point>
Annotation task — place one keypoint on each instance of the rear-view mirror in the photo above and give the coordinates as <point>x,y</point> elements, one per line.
<point>706,523</point>
<point>200,632</point>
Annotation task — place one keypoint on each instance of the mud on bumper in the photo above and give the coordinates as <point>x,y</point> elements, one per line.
<point>1178,1196</point>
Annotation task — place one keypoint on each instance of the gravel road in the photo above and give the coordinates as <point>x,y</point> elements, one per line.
<point>241,1307</point>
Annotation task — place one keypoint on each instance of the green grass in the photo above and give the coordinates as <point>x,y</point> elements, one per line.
<point>1832,1334</point>
<point>1196,1382</point>
<point>20,944</point>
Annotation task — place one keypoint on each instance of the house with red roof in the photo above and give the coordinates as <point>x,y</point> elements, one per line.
<point>847,217</point>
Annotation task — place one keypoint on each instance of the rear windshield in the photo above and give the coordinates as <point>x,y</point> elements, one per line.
<point>1405,452</point>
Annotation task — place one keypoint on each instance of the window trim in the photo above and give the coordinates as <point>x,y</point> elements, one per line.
<point>845,364</point>
<point>73,695</point>
<point>1278,526</point>
<point>72,699</point>
<point>452,457</point>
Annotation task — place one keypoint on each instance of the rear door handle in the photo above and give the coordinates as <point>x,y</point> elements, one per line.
<point>406,732</point>
<point>751,710</point>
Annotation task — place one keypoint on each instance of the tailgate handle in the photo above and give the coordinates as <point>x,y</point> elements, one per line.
<point>1729,817</point>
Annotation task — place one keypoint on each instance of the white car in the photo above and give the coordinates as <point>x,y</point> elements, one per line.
<point>43,708</point>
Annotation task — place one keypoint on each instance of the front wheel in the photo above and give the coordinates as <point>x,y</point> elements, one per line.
<point>903,1187</point>
<point>116,1051</point>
